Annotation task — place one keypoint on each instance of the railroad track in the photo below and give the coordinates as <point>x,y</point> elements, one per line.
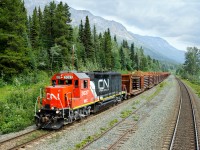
<point>118,134</point>
<point>23,139</point>
<point>183,133</point>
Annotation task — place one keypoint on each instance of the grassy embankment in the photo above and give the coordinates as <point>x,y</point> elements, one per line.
<point>194,86</point>
<point>17,101</point>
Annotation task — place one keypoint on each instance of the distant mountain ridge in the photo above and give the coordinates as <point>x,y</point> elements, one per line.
<point>156,47</point>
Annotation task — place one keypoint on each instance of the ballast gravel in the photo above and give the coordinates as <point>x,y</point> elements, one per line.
<point>149,134</point>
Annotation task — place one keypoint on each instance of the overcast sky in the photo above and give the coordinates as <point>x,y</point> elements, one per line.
<point>177,21</point>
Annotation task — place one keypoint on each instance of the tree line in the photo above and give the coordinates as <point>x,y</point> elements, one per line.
<point>47,41</point>
<point>191,68</point>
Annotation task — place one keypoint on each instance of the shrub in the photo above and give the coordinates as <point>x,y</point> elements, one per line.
<point>125,113</point>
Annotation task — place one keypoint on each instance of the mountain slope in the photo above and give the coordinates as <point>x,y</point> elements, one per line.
<point>156,47</point>
<point>161,46</point>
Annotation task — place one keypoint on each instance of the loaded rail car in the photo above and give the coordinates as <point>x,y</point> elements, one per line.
<point>150,79</point>
<point>134,83</point>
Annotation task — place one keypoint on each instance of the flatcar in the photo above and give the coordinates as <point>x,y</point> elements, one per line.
<point>75,95</point>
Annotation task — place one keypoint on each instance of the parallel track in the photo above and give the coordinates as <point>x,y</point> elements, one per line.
<point>23,139</point>
<point>123,130</point>
<point>185,135</point>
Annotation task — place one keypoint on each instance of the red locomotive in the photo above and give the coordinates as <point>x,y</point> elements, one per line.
<point>74,95</point>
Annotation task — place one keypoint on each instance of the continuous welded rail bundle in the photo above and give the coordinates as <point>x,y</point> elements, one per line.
<point>75,95</point>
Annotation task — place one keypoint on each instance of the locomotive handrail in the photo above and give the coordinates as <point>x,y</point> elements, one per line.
<point>67,101</point>
<point>36,105</point>
<point>62,107</point>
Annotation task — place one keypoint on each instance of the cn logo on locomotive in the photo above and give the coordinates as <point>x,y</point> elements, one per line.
<point>84,93</point>
<point>50,96</point>
<point>103,85</point>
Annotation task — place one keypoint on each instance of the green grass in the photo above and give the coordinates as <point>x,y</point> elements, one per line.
<point>195,87</point>
<point>125,113</point>
<point>5,91</point>
<point>17,102</point>
<point>113,122</point>
<point>158,90</point>
<point>135,118</point>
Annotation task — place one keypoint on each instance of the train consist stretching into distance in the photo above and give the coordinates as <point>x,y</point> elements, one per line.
<point>75,95</point>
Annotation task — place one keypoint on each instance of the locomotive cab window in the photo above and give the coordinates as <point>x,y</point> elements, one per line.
<point>68,82</point>
<point>76,83</point>
<point>85,84</point>
<point>61,82</point>
<point>53,82</point>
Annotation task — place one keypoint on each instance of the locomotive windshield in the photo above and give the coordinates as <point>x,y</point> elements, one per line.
<point>65,82</point>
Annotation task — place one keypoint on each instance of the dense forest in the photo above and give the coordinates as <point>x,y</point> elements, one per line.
<point>34,47</point>
<point>46,41</point>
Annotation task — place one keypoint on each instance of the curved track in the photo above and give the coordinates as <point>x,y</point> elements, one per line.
<point>185,135</point>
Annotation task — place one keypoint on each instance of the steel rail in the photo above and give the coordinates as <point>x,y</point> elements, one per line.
<point>181,84</point>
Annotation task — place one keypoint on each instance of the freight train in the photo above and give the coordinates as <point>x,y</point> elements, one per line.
<point>75,95</point>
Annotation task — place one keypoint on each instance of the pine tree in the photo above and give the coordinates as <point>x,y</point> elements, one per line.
<point>48,25</point>
<point>132,57</point>
<point>122,59</point>
<point>34,29</point>
<point>108,49</point>
<point>81,32</point>
<point>102,53</point>
<point>96,44</point>
<point>115,38</point>
<point>88,41</point>
<point>13,37</point>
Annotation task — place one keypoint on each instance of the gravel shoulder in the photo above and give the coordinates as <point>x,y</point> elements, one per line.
<point>151,132</point>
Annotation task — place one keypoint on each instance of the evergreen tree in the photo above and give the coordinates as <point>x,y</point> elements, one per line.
<point>96,44</point>
<point>122,59</point>
<point>34,29</point>
<point>115,38</point>
<point>108,49</point>
<point>13,37</point>
<point>81,32</point>
<point>88,41</point>
<point>132,57</point>
<point>40,17</point>
<point>102,54</point>
<point>48,25</point>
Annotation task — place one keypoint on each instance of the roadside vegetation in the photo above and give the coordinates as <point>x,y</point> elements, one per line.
<point>17,103</point>
<point>190,70</point>
<point>194,86</point>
